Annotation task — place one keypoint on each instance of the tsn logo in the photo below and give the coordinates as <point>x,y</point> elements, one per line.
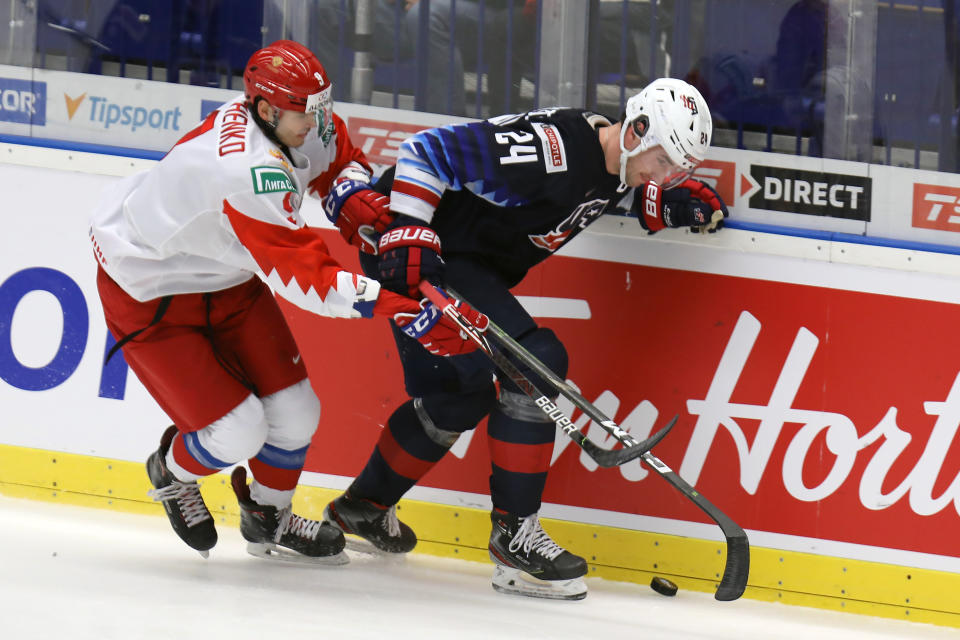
<point>720,175</point>
<point>380,140</point>
<point>936,207</point>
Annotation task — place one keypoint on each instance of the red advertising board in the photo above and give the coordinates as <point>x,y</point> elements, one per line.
<point>936,207</point>
<point>380,140</point>
<point>721,176</point>
<point>804,410</point>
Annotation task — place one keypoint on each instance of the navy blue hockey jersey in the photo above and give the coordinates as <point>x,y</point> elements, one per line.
<point>511,190</point>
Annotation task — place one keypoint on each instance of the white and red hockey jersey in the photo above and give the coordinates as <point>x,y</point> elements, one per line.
<point>222,206</point>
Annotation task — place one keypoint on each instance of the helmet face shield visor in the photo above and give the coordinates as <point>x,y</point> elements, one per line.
<point>675,177</point>
<point>664,171</point>
<point>653,163</point>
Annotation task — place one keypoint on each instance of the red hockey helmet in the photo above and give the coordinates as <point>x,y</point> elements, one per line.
<point>289,76</point>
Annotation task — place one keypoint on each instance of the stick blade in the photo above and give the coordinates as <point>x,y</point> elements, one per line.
<point>737,570</point>
<point>614,458</point>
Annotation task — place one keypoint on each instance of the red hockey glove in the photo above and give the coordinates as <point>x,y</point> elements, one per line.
<point>692,203</point>
<point>360,213</point>
<point>409,253</point>
<point>438,334</point>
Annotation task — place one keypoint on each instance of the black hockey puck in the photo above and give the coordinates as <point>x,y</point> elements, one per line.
<point>663,586</point>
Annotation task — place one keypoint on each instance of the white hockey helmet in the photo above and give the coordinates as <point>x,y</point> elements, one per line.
<point>670,113</point>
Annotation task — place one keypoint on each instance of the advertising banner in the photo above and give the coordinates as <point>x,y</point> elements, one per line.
<point>813,413</point>
<point>800,192</point>
<point>804,410</point>
<point>137,114</point>
<point>23,102</point>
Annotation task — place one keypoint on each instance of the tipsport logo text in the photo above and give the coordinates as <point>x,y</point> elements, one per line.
<point>111,114</point>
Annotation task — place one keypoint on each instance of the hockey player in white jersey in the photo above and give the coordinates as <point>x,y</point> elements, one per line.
<point>180,247</point>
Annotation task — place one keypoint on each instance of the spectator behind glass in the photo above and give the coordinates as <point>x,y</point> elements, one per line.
<point>504,61</point>
<point>395,27</point>
<point>800,65</point>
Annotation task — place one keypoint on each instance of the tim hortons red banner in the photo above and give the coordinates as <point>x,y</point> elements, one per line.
<point>806,411</point>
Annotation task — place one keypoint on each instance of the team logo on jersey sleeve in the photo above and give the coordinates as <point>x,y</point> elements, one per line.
<point>271,180</point>
<point>584,214</point>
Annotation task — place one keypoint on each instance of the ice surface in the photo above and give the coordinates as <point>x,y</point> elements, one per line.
<point>74,573</point>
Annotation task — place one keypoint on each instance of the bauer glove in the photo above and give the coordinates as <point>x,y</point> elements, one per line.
<point>693,203</point>
<point>409,252</point>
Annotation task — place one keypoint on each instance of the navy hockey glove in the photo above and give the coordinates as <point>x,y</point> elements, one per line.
<point>437,333</point>
<point>692,203</point>
<point>409,253</point>
<point>360,213</point>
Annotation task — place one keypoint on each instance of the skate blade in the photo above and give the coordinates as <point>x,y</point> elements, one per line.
<point>269,551</point>
<point>361,545</point>
<point>520,583</point>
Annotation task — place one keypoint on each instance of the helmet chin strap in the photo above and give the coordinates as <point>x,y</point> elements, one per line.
<point>269,128</point>
<point>623,173</point>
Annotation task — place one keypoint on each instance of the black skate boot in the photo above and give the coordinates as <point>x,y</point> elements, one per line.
<point>279,534</point>
<point>373,522</point>
<point>528,562</point>
<point>182,500</point>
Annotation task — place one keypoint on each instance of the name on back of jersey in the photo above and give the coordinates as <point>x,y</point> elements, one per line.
<point>233,130</point>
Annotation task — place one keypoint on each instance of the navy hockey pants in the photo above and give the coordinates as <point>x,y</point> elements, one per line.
<point>453,394</point>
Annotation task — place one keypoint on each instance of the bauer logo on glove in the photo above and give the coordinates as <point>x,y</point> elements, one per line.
<point>409,254</point>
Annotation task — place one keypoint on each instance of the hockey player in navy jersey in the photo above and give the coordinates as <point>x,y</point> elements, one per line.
<point>180,247</point>
<point>477,205</point>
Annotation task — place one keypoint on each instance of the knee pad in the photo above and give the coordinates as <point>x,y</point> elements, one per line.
<point>292,415</point>
<point>456,412</point>
<point>237,436</point>
<point>520,406</point>
<point>546,347</point>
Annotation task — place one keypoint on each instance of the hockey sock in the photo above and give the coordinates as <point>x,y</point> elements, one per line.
<point>403,455</point>
<point>520,453</point>
<point>276,473</point>
<point>188,460</point>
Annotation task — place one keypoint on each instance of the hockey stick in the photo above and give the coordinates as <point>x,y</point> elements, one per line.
<point>737,569</point>
<point>604,457</point>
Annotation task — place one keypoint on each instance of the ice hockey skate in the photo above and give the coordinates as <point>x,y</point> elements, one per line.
<point>378,526</point>
<point>529,563</point>
<point>182,501</point>
<point>280,534</point>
